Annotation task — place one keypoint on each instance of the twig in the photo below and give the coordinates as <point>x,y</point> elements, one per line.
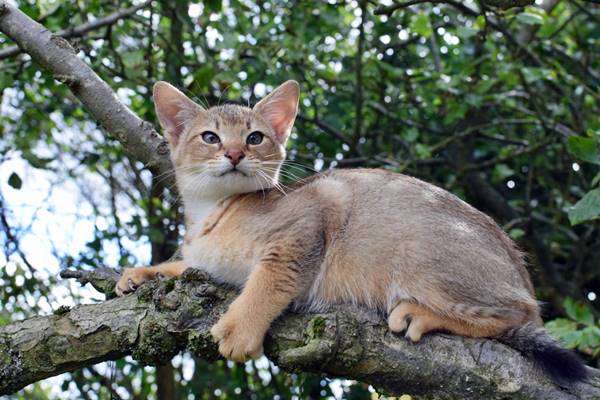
<point>325,127</point>
<point>498,160</point>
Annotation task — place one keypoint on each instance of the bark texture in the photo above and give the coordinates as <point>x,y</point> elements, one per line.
<point>165,317</point>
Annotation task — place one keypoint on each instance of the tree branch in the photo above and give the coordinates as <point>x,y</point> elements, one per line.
<point>138,137</point>
<point>502,4</point>
<point>165,317</point>
<point>83,29</point>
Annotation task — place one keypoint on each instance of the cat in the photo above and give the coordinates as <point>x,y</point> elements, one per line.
<point>379,239</point>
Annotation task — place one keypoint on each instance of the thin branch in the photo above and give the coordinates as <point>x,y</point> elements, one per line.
<point>11,237</point>
<point>499,160</point>
<point>387,10</point>
<point>503,4</point>
<point>325,127</point>
<point>106,382</point>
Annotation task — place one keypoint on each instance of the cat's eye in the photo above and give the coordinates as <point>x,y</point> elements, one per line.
<point>255,138</point>
<point>210,137</point>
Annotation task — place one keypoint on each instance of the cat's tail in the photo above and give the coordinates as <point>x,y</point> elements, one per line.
<point>533,341</point>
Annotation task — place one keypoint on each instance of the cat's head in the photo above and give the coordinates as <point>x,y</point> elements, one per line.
<point>227,149</point>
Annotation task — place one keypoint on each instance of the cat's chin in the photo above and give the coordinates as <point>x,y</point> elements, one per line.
<point>227,184</point>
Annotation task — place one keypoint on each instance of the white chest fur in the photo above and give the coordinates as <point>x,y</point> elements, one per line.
<point>228,259</point>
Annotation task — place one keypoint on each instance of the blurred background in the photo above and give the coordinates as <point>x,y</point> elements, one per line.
<point>500,107</point>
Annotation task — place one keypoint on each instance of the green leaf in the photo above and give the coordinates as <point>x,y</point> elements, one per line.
<point>579,312</point>
<point>530,19</point>
<point>485,85</point>
<point>15,181</point>
<point>501,172</point>
<point>590,337</point>
<point>534,74</point>
<point>516,233</point>
<point>564,330</point>
<point>214,5</point>
<point>411,134</point>
<point>584,148</point>
<point>596,180</point>
<point>420,25</point>
<point>134,61</point>
<point>586,209</point>
<point>465,32</point>
<point>423,151</point>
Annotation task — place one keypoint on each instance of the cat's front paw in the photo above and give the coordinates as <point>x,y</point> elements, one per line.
<point>132,278</point>
<point>238,339</point>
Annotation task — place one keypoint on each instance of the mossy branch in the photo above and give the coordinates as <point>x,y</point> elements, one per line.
<point>166,317</point>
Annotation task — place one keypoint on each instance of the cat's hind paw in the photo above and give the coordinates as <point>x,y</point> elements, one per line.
<point>414,320</point>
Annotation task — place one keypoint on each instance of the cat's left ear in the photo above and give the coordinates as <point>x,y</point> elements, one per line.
<point>173,109</point>
<point>279,108</point>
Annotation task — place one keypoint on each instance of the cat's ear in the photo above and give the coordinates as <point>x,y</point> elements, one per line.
<point>173,109</point>
<point>279,108</point>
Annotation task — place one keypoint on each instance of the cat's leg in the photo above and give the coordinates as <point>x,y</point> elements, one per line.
<point>281,275</point>
<point>132,278</point>
<point>417,320</point>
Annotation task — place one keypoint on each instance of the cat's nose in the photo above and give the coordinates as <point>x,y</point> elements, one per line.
<point>235,156</point>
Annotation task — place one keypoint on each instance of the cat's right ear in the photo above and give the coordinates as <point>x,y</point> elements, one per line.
<point>173,109</point>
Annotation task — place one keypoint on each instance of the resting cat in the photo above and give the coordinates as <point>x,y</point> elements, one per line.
<point>383,240</point>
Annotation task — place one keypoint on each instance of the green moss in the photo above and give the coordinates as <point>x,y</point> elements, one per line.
<point>170,284</point>
<point>123,340</point>
<point>5,353</point>
<point>316,328</point>
<point>145,293</point>
<point>351,355</point>
<point>202,345</point>
<point>156,346</point>
<point>11,367</point>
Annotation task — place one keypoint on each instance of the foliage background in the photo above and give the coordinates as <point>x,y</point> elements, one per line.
<point>499,107</point>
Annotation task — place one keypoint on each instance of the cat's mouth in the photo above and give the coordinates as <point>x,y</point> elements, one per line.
<point>232,172</point>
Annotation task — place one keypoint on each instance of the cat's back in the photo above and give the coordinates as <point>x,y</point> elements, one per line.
<point>381,198</point>
<point>400,221</point>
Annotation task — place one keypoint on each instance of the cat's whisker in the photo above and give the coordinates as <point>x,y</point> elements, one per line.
<point>275,184</point>
<point>292,164</point>
<point>272,155</point>
<point>184,168</point>
<point>195,184</point>
<point>222,94</point>
<point>285,174</point>
<point>203,102</point>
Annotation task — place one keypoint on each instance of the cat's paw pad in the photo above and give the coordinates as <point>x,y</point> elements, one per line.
<point>236,341</point>
<point>131,279</point>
